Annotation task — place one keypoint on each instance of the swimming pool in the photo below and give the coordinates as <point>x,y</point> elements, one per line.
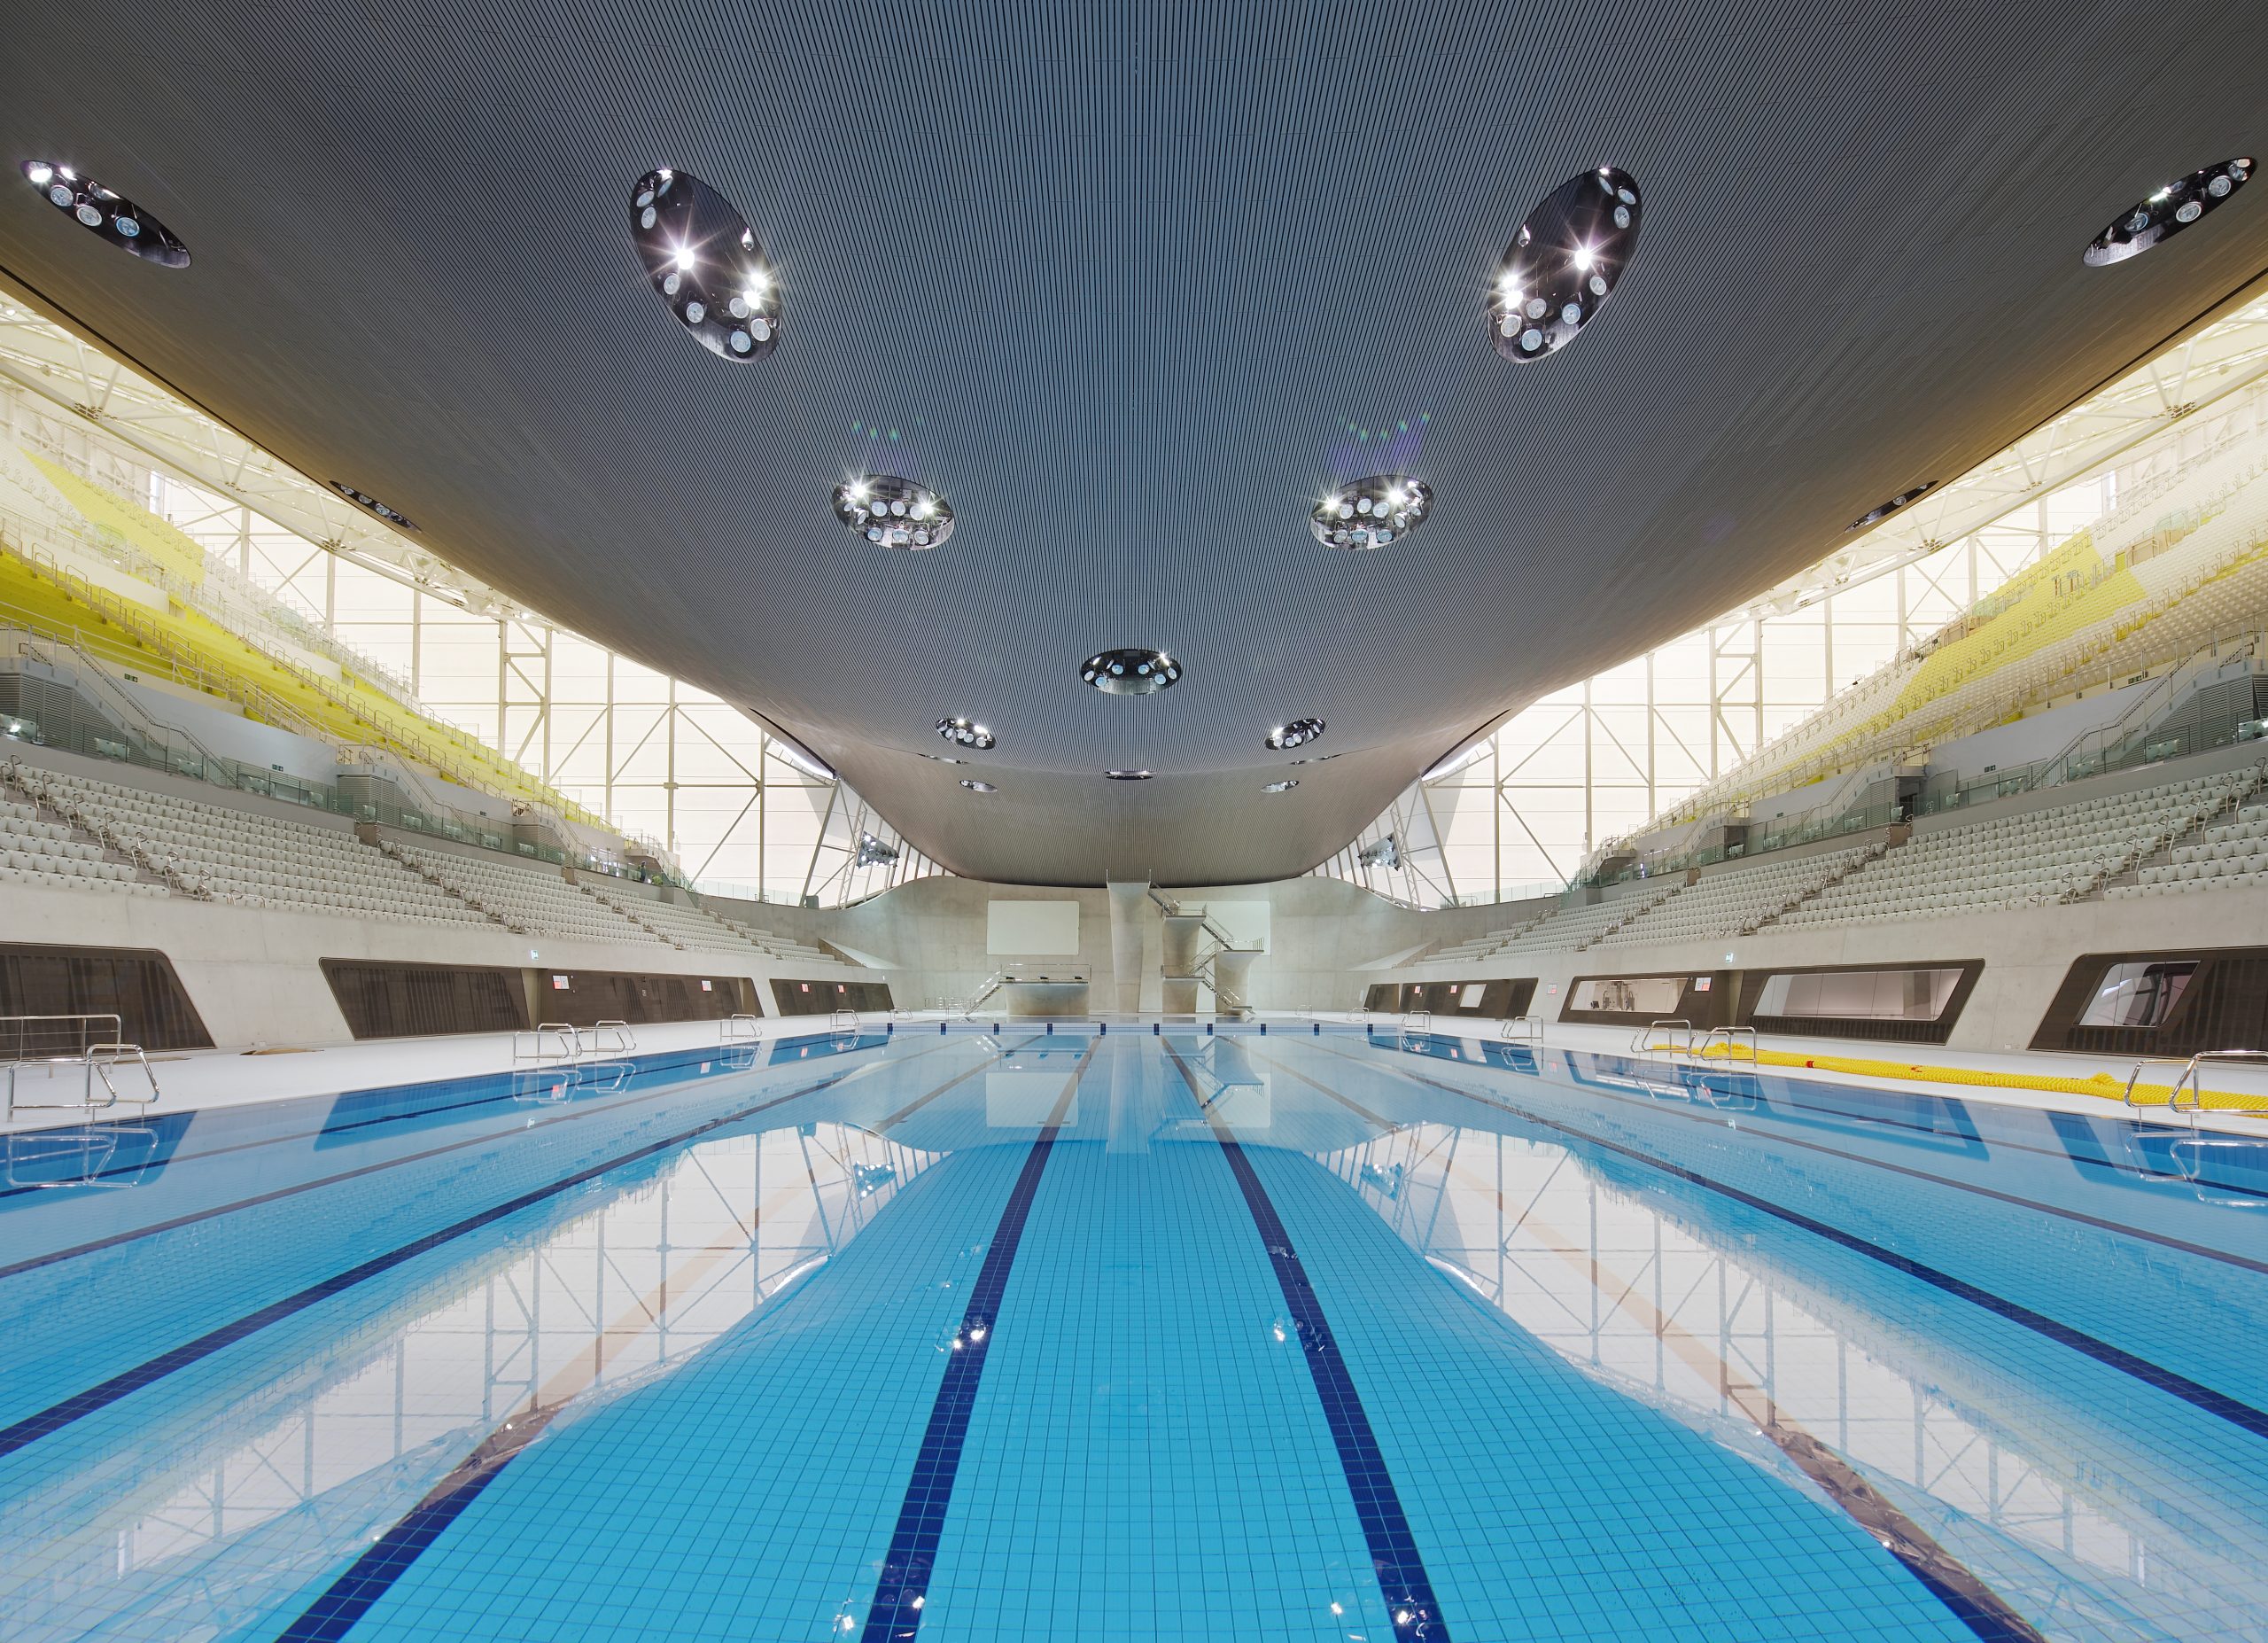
<point>1314,1334</point>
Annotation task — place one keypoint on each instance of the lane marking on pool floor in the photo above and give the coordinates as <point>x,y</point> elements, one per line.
<point>1953,1582</point>
<point>1403,1581</point>
<point>901,1593</point>
<point>2234,1411</point>
<point>34,1427</point>
<point>353,1593</point>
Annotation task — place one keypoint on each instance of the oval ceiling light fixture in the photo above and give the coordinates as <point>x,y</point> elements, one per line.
<point>2154,220</point>
<point>1877,514</point>
<point>107,212</point>
<point>1564,263</point>
<point>975,786</point>
<point>893,513</point>
<point>1129,776</point>
<point>1281,787</point>
<point>1294,733</point>
<point>704,260</point>
<point>1372,512</point>
<point>1131,672</point>
<point>964,733</point>
<point>364,499</point>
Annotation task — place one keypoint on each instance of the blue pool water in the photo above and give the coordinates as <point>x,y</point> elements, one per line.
<point>1019,1336</point>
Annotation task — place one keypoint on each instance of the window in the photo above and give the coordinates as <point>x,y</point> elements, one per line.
<point>1649,995</point>
<point>2138,994</point>
<point>1860,994</point>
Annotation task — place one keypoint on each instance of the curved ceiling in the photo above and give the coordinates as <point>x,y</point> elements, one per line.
<point>1132,285</point>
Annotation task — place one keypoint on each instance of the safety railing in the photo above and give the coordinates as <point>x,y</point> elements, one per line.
<point>2191,1081</point>
<point>605,1037</point>
<point>990,984</point>
<point>1417,1023</point>
<point>547,1040</point>
<point>740,1029</point>
<point>842,1021</point>
<point>1522,1029</point>
<point>55,1046</point>
<point>2133,1079</point>
<point>1670,1035</point>
<point>1731,1037</point>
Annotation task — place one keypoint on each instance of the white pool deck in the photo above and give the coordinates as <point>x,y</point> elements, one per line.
<point>197,1079</point>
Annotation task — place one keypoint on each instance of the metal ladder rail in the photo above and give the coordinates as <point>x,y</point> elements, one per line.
<point>1644,1043</point>
<point>2190,1080</point>
<point>1528,1029</point>
<point>95,1057</point>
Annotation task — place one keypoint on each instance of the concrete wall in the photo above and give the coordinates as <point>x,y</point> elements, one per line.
<point>255,974</point>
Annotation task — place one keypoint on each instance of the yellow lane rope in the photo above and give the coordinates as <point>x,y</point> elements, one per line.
<point>2103,1085</point>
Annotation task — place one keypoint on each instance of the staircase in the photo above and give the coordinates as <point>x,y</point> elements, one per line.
<point>1204,966</point>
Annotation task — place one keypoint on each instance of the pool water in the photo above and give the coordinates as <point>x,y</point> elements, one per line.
<point>1314,1334</point>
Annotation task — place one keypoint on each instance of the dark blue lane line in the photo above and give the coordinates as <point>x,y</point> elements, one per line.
<point>902,1591</point>
<point>660,1060</point>
<point>2234,1411</point>
<point>1402,1581</point>
<point>191,1218</point>
<point>32,1427</point>
<point>370,1576</point>
<point>1953,1582</point>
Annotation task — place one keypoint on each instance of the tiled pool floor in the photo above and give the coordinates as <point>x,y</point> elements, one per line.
<point>1132,1336</point>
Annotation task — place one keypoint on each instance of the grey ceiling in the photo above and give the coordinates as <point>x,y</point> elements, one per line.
<point>1129,283</point>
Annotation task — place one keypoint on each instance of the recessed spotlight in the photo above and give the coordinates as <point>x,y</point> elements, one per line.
<point>891,512</point>
<point>1284,786</point>
<point>1876,515</point>
<point>1564,264</point>
<point>705,264</point>
<point>363,499</point>
<point>1130,776</point>
<point>2150,221</point>
<point>975,786</point>
<point>1372,512</point>
<point>107,212</point>
<point>964,733</point>
<point>1294,733</point>
<point>1132,671</point>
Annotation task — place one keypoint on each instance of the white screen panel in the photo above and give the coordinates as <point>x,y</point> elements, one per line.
<point>1017,928</point>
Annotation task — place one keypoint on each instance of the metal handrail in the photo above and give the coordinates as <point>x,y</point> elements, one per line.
<point>843,1021</point>
<point>1731,1036</point>
<point>94,1058</point>
<point>2150,1061</point>
<point>115,1054</point>
<point>2190,1080</point>
<point>625,1043</point>
<point>1529,1028</point>
<point>1644,1043</point>
<point>565,1034</point>
<point>86,1037</point>
<point>1416,1023</point>
<point>728,1031</point>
